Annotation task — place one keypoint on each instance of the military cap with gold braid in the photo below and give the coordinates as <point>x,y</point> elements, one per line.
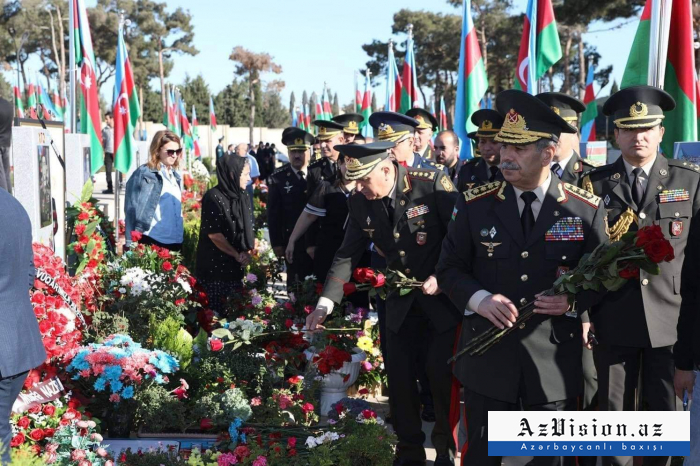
<point>327,129</point>
<point>426,120</point>
<point>488,123</point>
<point>297,139</point>
<point>392,126</point>
<point>638,107</point>
<point>526,119</point>
<point>360,159</point>
<point>351,122</point>
<point>563,105</point>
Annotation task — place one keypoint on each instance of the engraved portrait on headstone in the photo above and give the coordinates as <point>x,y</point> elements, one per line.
<point>46,215</point>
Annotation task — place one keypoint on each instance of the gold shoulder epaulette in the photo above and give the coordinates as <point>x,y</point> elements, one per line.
<point>591,163</point>
<point>587,184</point>
<point>684,164</point>
<point>587,197</point>
<point>280,170</point>
<point>473,194</point>
<point>438,166</point>
<point>317,162</point>
<point>417,173</point>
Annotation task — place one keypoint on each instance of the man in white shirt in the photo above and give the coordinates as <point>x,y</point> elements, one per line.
<point>506,244</point>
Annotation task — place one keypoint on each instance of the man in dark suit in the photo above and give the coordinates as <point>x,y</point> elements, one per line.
<point>447,153</point>
<point>427,125</point>
<point>507,243</point>
<point>636,325</point>
<point>567,164</point>
<point>481,170</point>
<point>21,348</point>
<point>287,198</point>
<point>405,212</point>
<point>351,122</point>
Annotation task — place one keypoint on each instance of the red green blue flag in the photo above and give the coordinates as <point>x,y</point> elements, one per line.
<point>539,44</point>
<point>409,80</point>
<point>212,115</point>
<point>126,109</point>
<point>443,115</point>
<point>19,105</point>
<point>393,83</point>
<point>366,109</point>
<point>589,115</point>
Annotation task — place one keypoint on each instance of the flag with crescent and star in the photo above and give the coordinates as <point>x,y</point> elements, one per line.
<point>126,109</point>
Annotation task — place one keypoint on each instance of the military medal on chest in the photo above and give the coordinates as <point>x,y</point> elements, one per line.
<point>369,231</point>
<point>288,187</point>
<point>676,227</point>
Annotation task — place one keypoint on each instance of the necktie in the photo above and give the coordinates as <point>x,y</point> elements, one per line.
<point>637,189</point>
<point>527,218</point>
<point>556,168</point>
<point>494,172</point>
<point>389,205</point>
<point>302,176</point>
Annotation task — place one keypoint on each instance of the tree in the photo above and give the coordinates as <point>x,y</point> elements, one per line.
<point>312,105</point>
<point>292,103</point>
<point>335,108</point>
<point>22,17</point>
<point>304,98</point>
<point>151,106</point>
<point>232,105</point>
<point>250,66</point>
<point>273,114</point>
<point>153,36</point>
<point>196,92</point>
<point>374,102</point>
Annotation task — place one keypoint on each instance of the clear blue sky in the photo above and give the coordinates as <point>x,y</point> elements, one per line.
<point>317,41</point>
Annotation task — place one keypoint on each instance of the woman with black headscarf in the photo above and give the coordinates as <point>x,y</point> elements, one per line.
<point>226,233</point>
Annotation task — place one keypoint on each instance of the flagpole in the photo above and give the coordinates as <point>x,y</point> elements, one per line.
<point>117,173</point>
<point>71,65</point>
<point>532,85</point>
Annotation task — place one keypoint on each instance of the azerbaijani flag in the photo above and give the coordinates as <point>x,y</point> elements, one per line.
<point>589,115</point>
<point>212,115</point>
<point>393,83</point>
<point>58,105</point>
<point>49,111</point>
<point>31,101</point>
<point>681,82</point>
<point>540,42</point>
<point>443,115</point>
<point>195,133</point>
<point>358,97</point>
<point>471,82</point>
<point>295,119</point>
<point>307,115</point>
<point>409,91</point>
<point>432,107</point>
<point>19,106</point>
<point>186,129</point>
<point>319,111</point>
<point>89,99</point>
<point>126,109</point>
<point>327,111</point>
<point>366,110</point>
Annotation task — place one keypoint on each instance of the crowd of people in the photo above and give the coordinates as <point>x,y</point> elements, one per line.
<point>484,237</point>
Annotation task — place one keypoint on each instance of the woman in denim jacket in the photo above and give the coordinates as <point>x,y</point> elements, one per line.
<point>153,204</point>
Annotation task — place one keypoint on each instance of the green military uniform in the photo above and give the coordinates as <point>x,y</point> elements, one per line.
<point>487,250</point>
<point>426,120</point>
<point>408,226</point>
<point>476,172</point>
<point>286,200</point>
<point>636,325</point>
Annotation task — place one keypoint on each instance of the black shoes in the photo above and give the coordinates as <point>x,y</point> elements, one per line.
<point>444,460</point>
<point>107,191</point>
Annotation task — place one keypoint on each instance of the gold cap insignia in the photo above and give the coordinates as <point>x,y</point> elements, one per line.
<point>514,121</point>
<point>385,130</point>
<point>322,130</point>
<point>486,124</point>
<point>639,110</point>
<point>555,110</point>
<point>352,164</point>
<point>298,142</point>
<point>352,124</point>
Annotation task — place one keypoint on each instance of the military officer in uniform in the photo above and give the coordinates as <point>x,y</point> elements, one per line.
<point>636,325</point>
<point>220,149</point>
<point>507,243</point>
<point>405,211</point>
<point>351,122</point>
<point>567,164</point>
<point>330,134</point>
<point>287,198</point>
<point>400,129</point>
<point>316,155</point>
<point>481,170</point>
<point>427,125</point>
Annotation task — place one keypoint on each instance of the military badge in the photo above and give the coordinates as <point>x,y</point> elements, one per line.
<point>566,229</point>
<point>492,232</point>
<point>454,213</point>
<point>673,195</point>
<point>421,238</point>
<point>288,187</point>
<point>676,227</point>
<point>417,211</point>
<point>369,231</point>
<point>484,232</point>
<point>447,184</point>
<point>490,248</point>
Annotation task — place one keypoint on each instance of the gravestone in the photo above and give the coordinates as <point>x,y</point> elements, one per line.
<point>78,165</point>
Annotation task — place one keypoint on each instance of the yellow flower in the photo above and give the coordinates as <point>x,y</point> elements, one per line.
<point>364,343</point>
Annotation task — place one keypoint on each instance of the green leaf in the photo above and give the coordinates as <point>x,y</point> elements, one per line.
<point>80,268</point>
<point>404,291</point>
<point>91,228</point>
<point>650,267</point>
<point>237,345</point>
<point>87,192</point>
<point>571,288</point>
<point>221,333</point>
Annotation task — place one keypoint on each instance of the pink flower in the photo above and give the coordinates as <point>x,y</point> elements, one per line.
<point>77,455</point>
<point>82,424</point>
<point>96,437</point>
<point>257,401</point>
<point>367,366</point>
<point>85,463</point>
<point>260,461</point>
<point>307,408</point>
<point>102,452</point>
<point>115,398</point>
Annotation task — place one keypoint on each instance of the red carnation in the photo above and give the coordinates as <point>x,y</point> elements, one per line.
<point>49,432</point>
<point>163,253</point>
<point>23,422</point>
<point>215,344</point>
<point>369,414</point>
<point>136,236</point>
<point>37,435</point>
<point>17,440</point>
<point>82,216</point>
<point>349,288</point>
<point>378,280</point>
<point>80,229</point>
<point>294,380</point>
<point>167,266</point>
<point>180,302</point>
<point>49,410</point>
<point>288,323</point>
<point>363,275</point>
<point>307,408</point>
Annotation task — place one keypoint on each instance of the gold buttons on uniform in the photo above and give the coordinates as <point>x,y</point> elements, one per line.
<point>407,271</point>
<point>523,301</point>
<point>524,254</point>
<point>677,214</point>
<point>563,258</point>
<point>403,202</point>
<point>523,278</point>
<point>642,215</point>
<point>396,235</point>
<point>645,282</point>
<point>402,253</point>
